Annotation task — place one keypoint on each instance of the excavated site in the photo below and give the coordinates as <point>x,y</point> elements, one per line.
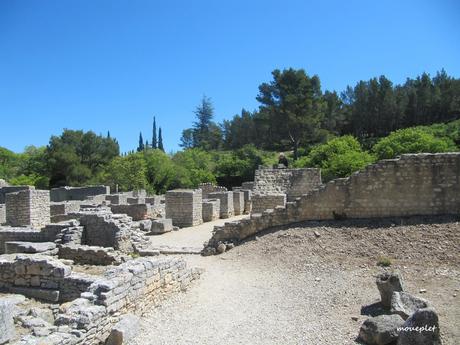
<point>284,259</point>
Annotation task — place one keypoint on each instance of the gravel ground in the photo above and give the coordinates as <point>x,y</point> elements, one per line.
<point>303,284</point>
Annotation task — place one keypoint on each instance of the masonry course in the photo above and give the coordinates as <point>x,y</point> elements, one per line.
<point>28,207</point>
<point>184,207</point>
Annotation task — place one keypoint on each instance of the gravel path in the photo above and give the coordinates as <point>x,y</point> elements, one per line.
<point>292,287</point>
<point>192,236</point>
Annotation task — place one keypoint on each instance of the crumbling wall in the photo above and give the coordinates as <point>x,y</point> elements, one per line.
<point>28,207</point>
<point>77,193</point>
<point>11,189</point>
<point>135,211</point>
<point>292,182</point>
<point>415,184</point>
<point>262,202</point>
<point>65,207</point>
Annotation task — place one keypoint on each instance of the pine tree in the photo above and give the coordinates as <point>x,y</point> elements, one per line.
<point>160,140</point>
<point>146,144</point>
<point>108,134</point>
<point>154,134</point>
<point>141,143</point>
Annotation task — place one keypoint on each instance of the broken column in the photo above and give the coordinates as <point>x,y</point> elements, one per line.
<point>184,207</point>
<point>28,208</point>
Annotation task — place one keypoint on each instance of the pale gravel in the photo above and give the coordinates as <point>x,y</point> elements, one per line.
<point>289,287</point>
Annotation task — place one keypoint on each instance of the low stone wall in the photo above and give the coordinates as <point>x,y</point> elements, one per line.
<point>135,200</point>
<point>248,185</point>
<point>28,207</point>
<point>415,184</point>
<point>135,211</point>
<point>89,255</point>
<point>135,286</point>
<point>117,199</point>
<point>261,203</point>
<point>41,277</point>
<point>238,202</point>
<point>77,193</point>
<point>226,203</point>
<point>184,207</point>
<point>211,209</point>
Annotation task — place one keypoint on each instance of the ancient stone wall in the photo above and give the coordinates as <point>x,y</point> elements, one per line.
<point>117,199</point>
<point>208,188</point>
<point>88,255</point>
<point>77,193</point>
<point>415,184</point>
<point>248,185</point>
<point>28,207</point>
<point>293,182</point>
<point>184,207</point>
<point>226,203</point>
<point>262,202</point>
<point>65,207</point>
<point>211,209</point>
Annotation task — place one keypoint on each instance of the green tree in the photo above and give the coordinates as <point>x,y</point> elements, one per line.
<point>186,139</point>
<point>141,146</point>
<point>411,140</point>
<point>162,174</point>
<point>154,134</point>
<point>294,106</point>
<point>129,172</point>
<point>160,140</point>
<point>195,166</point>
<point>74,157</point>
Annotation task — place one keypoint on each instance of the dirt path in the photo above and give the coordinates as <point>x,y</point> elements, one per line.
<point>293,287</point>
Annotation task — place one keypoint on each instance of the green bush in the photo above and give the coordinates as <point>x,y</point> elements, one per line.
<point>338,157</point>
<point>411,140</point>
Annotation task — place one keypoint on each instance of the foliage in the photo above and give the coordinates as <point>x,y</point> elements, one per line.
<point>129,172</point>
<point>74,157</point>
<point>194,166</point>
<point>384,261</point>
<point>411,140</point>
<point>337,158</point>
<point>161,172</point>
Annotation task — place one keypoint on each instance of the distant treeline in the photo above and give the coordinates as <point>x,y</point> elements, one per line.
<point>295,114</point>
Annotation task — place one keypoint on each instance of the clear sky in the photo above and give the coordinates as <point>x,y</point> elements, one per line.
<point>110,65</point>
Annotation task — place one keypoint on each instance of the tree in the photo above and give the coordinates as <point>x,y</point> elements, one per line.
<point>186,139</point>
<point>75,157</point>
<point>129,172</point>
<point>294,106</point>
<point>154,134</point>
<point>140,147</point>
<point>160,141</point>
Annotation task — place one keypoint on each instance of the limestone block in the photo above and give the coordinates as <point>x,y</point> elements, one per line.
<point>7,331</point>
<point>160,226</point>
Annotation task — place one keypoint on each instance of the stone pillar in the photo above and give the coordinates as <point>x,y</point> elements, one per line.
<point>28,208</point>
<point>238,202</point>
<point>184,207</point>
<point>211,210</point>
<point>226,203</point>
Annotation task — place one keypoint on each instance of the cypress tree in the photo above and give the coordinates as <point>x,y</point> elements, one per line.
<point>160,141</point>
<point>154,134</point>
<point>141,143</point>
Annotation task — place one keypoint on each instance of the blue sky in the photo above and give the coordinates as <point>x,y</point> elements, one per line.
<point>112,65</point>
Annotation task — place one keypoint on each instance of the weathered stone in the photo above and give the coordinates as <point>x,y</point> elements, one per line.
<point>28,207</point>
<point>124,330</point>
<point>226,203</point>
<point>380,330</point>
<point>7,331</point>
<point>145,225</point>
<point>77,193</point>
<point>421,328</point>
<point>40,294</point>
<point>211,210</point>
<point>28,247</point>
<point>387,283</point>
<point>405,304</point>
<point>160,226</point>
<point>184,207</point>
<point>221,248</point>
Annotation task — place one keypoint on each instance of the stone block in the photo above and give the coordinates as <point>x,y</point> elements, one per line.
<point>7,331</point>
<point>211,210</point>
<point>238,202</point>
<point>124,330</point>
<point>160,226</point>
<point>184,207</point>
<point>28,207</point>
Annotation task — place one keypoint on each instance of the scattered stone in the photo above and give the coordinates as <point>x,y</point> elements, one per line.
<point>354,318</point>
<point>422,290</point>
<point>221,248</point>
<point>125,329</point>
<point>208,251</point>
<point>7,331</point>
<point>160,226</point>
<point>230,246</point>
<point>387,283</point>
<point>421,328</point>
<point>381,330</point>
<point>405,304</point>
<point>145,225</point>
<point>317,234</point>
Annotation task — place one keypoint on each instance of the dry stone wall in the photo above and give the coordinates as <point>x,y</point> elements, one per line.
<point>262,202</point>
<point>28,207</point>
<point>208,188</point>
<point>414,184</point>
<point>211,209</point>
<point>11,189</point>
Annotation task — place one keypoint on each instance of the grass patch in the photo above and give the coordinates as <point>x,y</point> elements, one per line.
<point>384,261</point>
